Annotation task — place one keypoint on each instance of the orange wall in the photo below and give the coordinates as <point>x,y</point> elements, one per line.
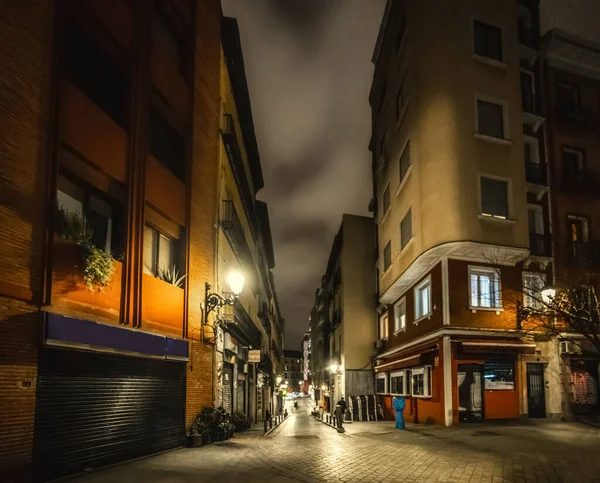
<point>162,306</point>
<point>70,292</point>
<point>92,133</point>
<point>501,404</point>
<point>165,191</point>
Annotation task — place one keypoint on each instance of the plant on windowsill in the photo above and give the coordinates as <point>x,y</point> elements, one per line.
<point>99,267</point>
<point>171,276</point>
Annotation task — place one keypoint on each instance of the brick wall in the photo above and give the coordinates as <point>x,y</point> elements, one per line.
<point>26,35</point>
<point>203,187</point>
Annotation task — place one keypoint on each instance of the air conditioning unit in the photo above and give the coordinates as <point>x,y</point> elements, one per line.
<point>567,347</point>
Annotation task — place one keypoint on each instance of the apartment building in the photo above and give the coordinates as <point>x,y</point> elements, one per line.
<point>306,358</point>
<point>461,202</point>
<point>343,322</point>
<point>244,243</point>
<point>116,130</point>
<point>293,379</point>
<point>571,83</point>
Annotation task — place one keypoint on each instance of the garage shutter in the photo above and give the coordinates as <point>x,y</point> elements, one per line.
<point>227,387</point>
<point>95,410</point>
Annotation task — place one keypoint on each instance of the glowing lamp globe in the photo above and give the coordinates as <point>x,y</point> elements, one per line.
<point>548,294</point>
<point>236,281</point>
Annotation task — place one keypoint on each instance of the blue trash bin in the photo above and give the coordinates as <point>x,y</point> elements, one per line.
<point>399,404</point>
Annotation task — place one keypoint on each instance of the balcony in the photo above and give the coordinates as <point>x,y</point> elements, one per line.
<point>232,227</point>
<point>234,154</point>
<point>540,245</point>
<point>239,324</point>
<point>575,117</point>
<point>337,319</point>
<point>529,41</point>
<point>585,255</point>
<point>263,315</point>
<point>532,111</point>
<point>536,173</point>
<point>581,182</point>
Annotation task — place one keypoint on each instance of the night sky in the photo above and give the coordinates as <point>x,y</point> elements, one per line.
<point>309,70</point>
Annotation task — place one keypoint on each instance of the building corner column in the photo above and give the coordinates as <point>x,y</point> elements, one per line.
<point>447,372</point>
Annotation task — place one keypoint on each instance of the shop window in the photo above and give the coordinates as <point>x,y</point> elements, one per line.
<point>159,252</point>
<point>381,384</point>
<point>73,198</point>
<point>484,287</point>
<point>499,374</point>
<point>398,383</point>
<point>96,75</point>
<point>421,381</point>
<point>166,144</point>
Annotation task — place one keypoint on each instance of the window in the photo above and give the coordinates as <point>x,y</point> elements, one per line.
<point>578,233</point>
<point>383,326</point>
<point>400,315</point>
<point>387,256</point>
<point>96,75</point>
<point>381,384</point>
<point>423,299</point>
<point>402,98</point>
<point>537,239</point>
<point>488,40</point>
<point>572,163</point>
<point>165,143</point>
<point>494,197</point>
<point>533,284</point>
<point>421,381</point>
<point>528,100</point>
<point>405,161</point>
<point>165,34</point>
<point>568,97</point>
<point>490,119</point>
<point>159,252</point>
<point>532,151</point>
<point>406,229</point>
<point>98,212</point>
<point>386,200</point>
<point>398,383</point>
<point>499,374</point>
<point>484,287</point>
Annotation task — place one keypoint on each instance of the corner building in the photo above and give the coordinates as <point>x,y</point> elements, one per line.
<point>453,123</point>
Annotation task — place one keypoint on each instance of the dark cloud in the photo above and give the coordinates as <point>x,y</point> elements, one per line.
<point>309,70</point>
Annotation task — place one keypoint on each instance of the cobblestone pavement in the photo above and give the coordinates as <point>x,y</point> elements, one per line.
<point>303,449</point>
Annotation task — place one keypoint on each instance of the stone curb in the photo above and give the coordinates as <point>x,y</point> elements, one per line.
<point>274,428</point>
<point>343,431</point>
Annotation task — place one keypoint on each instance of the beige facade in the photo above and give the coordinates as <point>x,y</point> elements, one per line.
<point>458,150</point>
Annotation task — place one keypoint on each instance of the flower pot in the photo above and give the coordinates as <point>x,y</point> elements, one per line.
<point>206,438</point>
<point>194,441</point>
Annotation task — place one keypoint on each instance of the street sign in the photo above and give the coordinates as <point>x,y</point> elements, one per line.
<point>254,356</point>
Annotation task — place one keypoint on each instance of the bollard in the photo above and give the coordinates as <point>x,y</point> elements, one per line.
<point>270,423</point>
<point>265,426</point>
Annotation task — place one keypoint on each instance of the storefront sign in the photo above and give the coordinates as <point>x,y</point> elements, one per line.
<point>499,385</point>
<point>254,356</point>
<point>229,343</point>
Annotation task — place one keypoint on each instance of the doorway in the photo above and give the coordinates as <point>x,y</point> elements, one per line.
<point>536,394</point>
<point>470,393</point>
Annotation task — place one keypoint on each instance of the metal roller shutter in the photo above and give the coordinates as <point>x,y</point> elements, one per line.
<point>95,410</point>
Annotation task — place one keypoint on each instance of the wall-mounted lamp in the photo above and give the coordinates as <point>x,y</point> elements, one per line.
<point>213,300</point>
<point>548,294</point>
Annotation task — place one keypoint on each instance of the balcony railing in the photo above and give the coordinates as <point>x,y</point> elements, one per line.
<point>584,255</point>
<point>540,245</point>
<point>232,227</point>
<point>529,37</point>
<point>531,104</point>
<point>576,116</point>
<point>236,162</point>
<point>536,173</point>
<point>263,315</point>
<point>584,181</point>
<point>337,318</point>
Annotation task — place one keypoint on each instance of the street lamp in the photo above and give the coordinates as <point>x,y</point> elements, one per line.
<point>333,368</point>
<point>278,380</point>
<point>213,300</point>
<point>548,294</point>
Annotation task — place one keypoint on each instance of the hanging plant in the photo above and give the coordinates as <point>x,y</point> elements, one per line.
<point>99,266</point>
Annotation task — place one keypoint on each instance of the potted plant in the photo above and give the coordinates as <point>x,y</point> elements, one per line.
<point>199,434</point>
<point>240,422</point>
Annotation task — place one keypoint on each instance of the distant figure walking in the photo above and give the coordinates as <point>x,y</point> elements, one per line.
<point>340,411</point>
